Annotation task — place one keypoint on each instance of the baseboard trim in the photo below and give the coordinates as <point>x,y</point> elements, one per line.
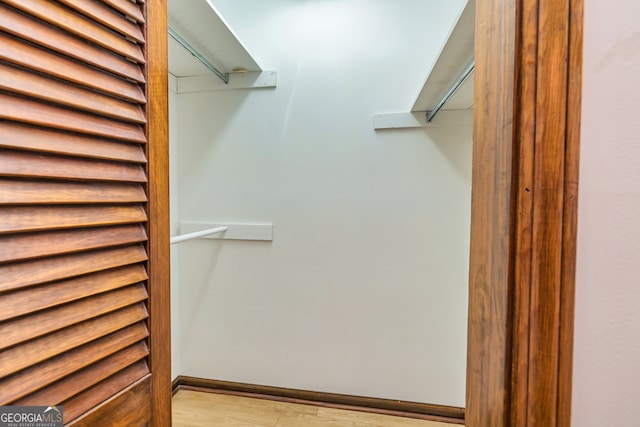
<point>448,414</point>
<point>175,385</point>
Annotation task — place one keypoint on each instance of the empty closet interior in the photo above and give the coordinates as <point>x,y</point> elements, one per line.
<point>333,140</point>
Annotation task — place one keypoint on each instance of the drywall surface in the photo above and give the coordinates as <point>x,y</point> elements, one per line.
<point>174,223</point>
<point>363,290</point>
<point>607,332</point>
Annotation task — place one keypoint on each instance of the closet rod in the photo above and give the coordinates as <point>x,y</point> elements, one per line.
<point>452,90</point>
<point>185,44</point>
<point>196,234</point>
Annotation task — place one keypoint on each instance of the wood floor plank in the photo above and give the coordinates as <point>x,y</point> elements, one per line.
<point>226,400</point>
<point>202,409</point>
<point>199,409</point>
<point>366,419</point>
<point>304,420</point>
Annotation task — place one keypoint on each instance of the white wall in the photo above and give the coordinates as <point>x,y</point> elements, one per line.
<point>175,226</point>
<point>607,332</point>
<point>364,288</point>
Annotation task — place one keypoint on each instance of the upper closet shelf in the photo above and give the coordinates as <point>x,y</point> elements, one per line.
<point>449,85</point>
<point>205,54</point>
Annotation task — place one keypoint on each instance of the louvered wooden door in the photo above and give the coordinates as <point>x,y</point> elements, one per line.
<point>83,209</point>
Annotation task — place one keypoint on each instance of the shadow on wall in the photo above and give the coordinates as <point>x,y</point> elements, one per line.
<point>454,142</point>
<point>211,121</point>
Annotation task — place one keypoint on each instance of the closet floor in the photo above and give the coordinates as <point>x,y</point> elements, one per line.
<point>195,409</point>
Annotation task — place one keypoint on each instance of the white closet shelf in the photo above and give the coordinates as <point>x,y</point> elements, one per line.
<point>444,78</point>
<point>202,42</point>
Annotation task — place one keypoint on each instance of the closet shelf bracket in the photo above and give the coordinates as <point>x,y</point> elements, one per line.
<point>185,44</point>
<point>466,73</point>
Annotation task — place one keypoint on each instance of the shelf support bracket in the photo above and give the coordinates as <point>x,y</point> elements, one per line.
<point>452,90</point>
<point>185,44</point>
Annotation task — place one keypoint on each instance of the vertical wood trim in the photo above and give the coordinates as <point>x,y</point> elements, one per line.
<point>488,345</point>
<point>548,164</point>
<point>524,145</point>
<point>570,220</point>
<point>524,205</point>
<point>158,228</point>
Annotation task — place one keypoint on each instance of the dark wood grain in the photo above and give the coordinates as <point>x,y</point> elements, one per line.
<point>32,57</point>
<point>60,41</point>
<point>73,260</point>
<point>524,145</point>
<point>21,219</point>
<point>23,329</point>
<point>54,369</point>
<point>63,18</point>
<point>130,407</point>
<point>128,8</point>
<point>37,86</point>
<point>523,212</point>
<point>570,213</point>
<point>548,192</point>
<point>14,192</point>
<point>488,343</point>
<point>29,111</point>
<point>34,165</point>
<point>57,343</point>
<point>27,273</point>
<point>32,245</point>
<point>80,381</point>
<point>158,209</point>
<point>36,298</point>
<point>102,13</point>
<point>19,136</point>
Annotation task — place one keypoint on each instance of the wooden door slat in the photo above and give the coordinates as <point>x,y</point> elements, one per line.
<point>28,380</point>
<point>16,135</point>
<point>41,297</point>
<point>38,218</point>
<point>61,17</point>
<point>60,41</point>
<point>18,192</point>
<point>128,8</point>
<point>108,17</point>
<point>75,294</point>
<point>38,113</point>
<point>34,272</point>
<point>22,82</point>
<point>131,389</point>
<point>79,381</point>
<point>33,245</point>
<point>48,321</point>
<point>26,164</point>
<point>29,56</point>
<point>49,346</point>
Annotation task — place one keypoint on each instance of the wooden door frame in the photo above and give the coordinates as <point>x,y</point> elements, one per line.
<point>524,206</point>
<point>528,59</point>
<point>158,211</point>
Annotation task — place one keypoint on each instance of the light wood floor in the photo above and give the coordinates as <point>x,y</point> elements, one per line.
<point>195,409</point>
